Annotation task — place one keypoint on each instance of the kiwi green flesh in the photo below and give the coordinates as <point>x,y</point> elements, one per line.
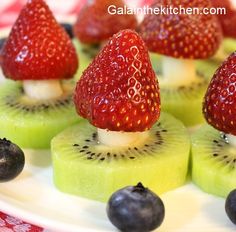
<point>86,54</point>
<point>183,101</point>
<point>213,162</point>
<point>229,45</point>
<point>84,167</point>
<point>30,123</point>
<point>209,67</point>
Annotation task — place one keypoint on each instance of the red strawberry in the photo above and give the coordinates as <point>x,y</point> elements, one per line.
<point>220,100</point>
<point>38,47</point>
<point>189,36</point>
<point>227,21</point>
<point>95,24</point>
<point>119,90</point>
<point>222,3</point>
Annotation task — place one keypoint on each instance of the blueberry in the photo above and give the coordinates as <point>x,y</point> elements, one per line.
<point>12,160</point>
<point>230,206</point>
<point>68,28</point>
<point>135,209</point>
<point>2,41</point>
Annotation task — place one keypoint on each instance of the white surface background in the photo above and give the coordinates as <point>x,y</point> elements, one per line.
<point>33,197</point>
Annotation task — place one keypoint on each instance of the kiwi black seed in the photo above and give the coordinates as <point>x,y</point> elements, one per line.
<point>191,90</point>
<point>222,151</point>
<point>15,100</point>
<point>213,161</point>
<point>33,123</point>
<point>85,148</point>
<point>184,101</point>
<point>84,166</point>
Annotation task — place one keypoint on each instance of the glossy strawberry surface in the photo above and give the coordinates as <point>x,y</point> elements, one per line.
<point>38,47</point>
<point>219,105</point>
<point>95,24</point>
<point>189,36</point>
<point>119,90</point>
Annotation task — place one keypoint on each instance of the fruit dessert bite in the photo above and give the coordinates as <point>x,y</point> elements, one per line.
<point>227,22</point>
<point>228,45</point>
<point>181,39</point>
<point>67,27</point>
<point>121,143</point>
<point>214,150</point>
<point>94,26</point>
<point>38,55</point>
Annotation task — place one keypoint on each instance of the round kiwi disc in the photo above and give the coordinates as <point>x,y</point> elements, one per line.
<point>185,101</point>
<point>30,123</point>
<point>213,162</point>
<point>84,167</point>
<point>86,55</point>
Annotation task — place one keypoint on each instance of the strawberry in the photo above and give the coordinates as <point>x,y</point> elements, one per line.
<point>222,3</point>
<point>119,90</point>
<point>95,24</point>
<point>219,106</point>
<point>38,47</point>
<point>189,36</point>
<point>227,21</point>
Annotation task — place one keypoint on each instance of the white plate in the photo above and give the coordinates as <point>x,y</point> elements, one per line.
<point>33,198</point>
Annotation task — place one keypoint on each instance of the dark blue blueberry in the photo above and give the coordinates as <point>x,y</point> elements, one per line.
<point>12,160</point>
<point>69,29</point>
<point>230,206</point>
<point>2,41</point>
<point>135,209</point>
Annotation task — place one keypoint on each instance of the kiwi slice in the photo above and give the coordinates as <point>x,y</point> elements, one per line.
<point>213,162</point>
<point>86,55</point>
<point>229,45</point>
<point>209,67</point>
<point>30,123</point>
<point>184,101</point>
<point>84,167</point>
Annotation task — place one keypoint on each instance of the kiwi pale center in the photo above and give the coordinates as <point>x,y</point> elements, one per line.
<point>16,99</point>
<point>199,82</point>
<point>90,148</point>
